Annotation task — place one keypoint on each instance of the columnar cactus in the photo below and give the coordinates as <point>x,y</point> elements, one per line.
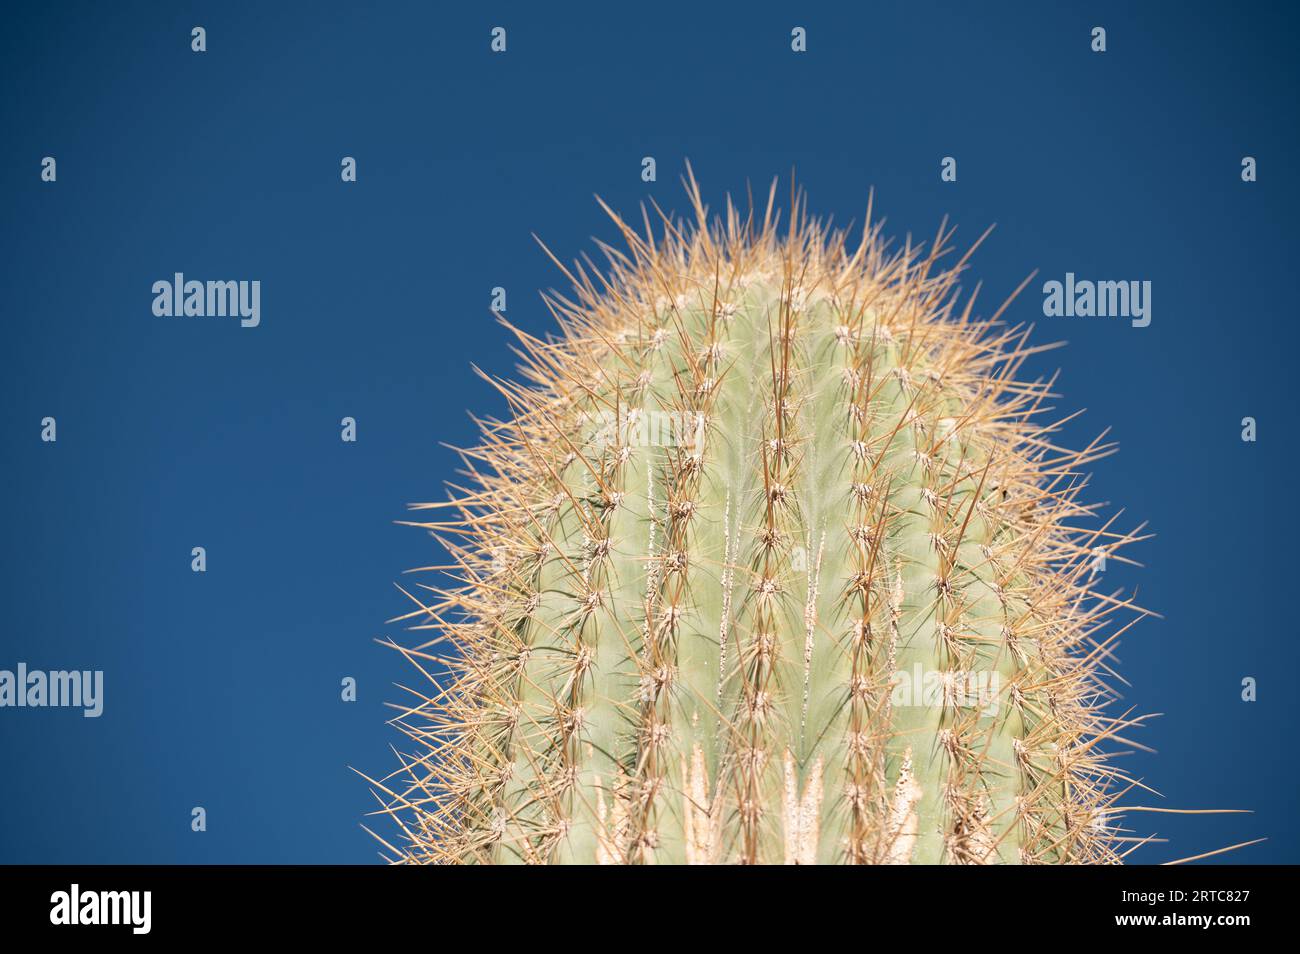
<point>773,561</point>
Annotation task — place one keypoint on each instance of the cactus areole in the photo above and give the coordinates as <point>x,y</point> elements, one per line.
<point>772,560</point>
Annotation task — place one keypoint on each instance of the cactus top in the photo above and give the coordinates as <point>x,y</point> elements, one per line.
<point>773,560</point>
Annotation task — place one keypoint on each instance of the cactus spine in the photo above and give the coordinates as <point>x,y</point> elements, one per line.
<point>772,562</point>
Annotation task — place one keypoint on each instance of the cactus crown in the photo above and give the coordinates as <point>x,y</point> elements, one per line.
<point>773,561</point>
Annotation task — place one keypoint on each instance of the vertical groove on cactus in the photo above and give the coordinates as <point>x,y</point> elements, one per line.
<point>772,561</point>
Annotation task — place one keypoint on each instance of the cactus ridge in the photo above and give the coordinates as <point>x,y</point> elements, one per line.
<point>774,560</point>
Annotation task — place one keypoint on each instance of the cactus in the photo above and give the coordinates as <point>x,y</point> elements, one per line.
<point>772,561</point>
